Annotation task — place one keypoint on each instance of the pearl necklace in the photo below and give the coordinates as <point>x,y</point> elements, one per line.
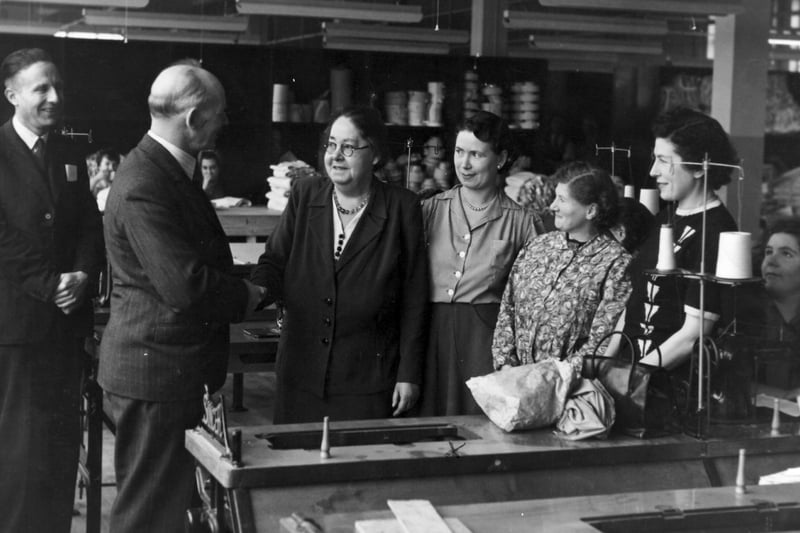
<point>353,211</point>
<point>480,208</point>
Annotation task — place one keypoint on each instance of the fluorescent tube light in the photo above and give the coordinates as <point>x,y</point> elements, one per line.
<point>91,35</point>
<point>165,21</point>
<point>619,46</point>
<point>182,37</point>
<point>375,45</point>
<point>531,20</point>
<point>784,41</point>
<point>684,7</point>
<point>381,31</point>
<point>130,4</point>
<point>333,10</point>
<point>28,28</point>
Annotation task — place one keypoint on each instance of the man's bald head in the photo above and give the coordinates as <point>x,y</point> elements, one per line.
<point>181,87</point>
<point>187,107</point>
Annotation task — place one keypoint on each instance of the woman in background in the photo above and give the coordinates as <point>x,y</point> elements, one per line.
<point>347,261</point>
<point>771,313</point>
<point>567,288</point>
<point>474,232</point>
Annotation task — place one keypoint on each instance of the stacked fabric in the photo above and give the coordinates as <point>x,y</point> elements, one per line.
<point>525,105</point>
<point>281,181</point>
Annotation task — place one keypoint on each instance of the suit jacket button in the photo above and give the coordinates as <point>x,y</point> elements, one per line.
<point>48,216</point>
<point>329,301</point>
<point>327,321</point>
<point>325,341</point>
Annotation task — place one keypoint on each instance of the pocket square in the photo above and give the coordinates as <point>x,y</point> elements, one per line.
<point>72,172</point>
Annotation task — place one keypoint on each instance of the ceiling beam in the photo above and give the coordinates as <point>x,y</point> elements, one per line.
<point>685,7</point>
<point>537,20</point>
<point>332,10</point>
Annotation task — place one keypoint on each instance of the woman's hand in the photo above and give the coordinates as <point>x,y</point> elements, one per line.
<point>404,397</point>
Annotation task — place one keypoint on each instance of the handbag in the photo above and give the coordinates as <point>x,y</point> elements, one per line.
<point>643,394</point>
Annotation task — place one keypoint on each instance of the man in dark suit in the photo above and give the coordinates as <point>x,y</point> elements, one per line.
<point>51,251</point>
<point>171,303</point>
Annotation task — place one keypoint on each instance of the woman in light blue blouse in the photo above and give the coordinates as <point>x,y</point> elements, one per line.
<point>473,233</point>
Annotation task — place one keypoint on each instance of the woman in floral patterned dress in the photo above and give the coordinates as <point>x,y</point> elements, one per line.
<point>568,287</point>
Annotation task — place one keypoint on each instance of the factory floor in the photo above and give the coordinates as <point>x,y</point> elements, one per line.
<point>259,391</point>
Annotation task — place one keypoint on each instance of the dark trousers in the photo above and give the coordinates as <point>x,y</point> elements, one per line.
<point>39,435</point>
<point>155,473</point>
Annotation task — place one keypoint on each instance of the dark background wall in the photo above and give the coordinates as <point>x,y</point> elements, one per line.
<point>107,84</point>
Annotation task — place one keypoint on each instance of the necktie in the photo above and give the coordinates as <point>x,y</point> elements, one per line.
<point>38,152</point>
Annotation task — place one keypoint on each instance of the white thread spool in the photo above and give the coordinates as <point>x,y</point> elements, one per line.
<point>630,192</point>
<point>281,98</point>
<point>733,255</point>
<point>649,198</point>
<point>666,252</point>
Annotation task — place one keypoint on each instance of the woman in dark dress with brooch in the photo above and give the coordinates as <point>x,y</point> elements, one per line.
<point>347,261</point>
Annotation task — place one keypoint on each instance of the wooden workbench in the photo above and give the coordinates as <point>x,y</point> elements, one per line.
<point>668,510</point>
<point>487,465</point>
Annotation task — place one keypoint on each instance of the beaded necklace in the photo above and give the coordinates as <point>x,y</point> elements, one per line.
<point>353,211</point>
<point>476,208</point>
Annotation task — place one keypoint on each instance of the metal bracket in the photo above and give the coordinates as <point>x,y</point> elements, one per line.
<point>215,422</point>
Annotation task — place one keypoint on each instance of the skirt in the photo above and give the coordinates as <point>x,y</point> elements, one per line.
<point>459,347</point>
<point>295,406</point>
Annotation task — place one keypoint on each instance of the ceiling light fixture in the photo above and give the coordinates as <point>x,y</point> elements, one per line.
<point>334,10</point>
<point>376,45</point>
<point>167,21</point>
<point>684,7</point>
<point>88,34</point>
<point>532,20</point>
<point>384,32</point>
<point>183,37</point>
<point>129,4</point>
<point>784,41</point>
<point>26,27</point>
<point>617,46</point>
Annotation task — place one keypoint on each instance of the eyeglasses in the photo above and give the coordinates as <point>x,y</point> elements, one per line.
<point>347,149</point>
<point>436,149</point>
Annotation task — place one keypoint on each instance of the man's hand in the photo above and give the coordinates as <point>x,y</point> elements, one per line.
<point>404,397</point>
<point>70,291</point>
<point>255,295</point>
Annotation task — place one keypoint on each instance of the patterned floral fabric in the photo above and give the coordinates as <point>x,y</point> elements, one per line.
<point>560,300</point>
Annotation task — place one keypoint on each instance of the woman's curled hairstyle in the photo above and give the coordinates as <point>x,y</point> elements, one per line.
<point>589,184</point>
<point>493,130</point>
<point>695,136</point>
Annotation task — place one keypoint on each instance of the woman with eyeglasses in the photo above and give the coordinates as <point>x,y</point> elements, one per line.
<point>474,232</point>
<point>347,261</point>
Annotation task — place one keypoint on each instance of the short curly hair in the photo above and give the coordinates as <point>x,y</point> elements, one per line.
<point>589,184</point>
<point>493,130</point>
<point>695,135</point>
<point>370,125</point>
<point>788,225</point>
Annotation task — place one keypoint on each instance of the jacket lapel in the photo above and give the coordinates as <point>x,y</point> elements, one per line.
<point>56,174</point>
<point>19,152</point>
<point>369,227</point>
<point>320,222</point>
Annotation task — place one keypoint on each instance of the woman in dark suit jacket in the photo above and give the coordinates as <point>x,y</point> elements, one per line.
<point>347,262</point>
